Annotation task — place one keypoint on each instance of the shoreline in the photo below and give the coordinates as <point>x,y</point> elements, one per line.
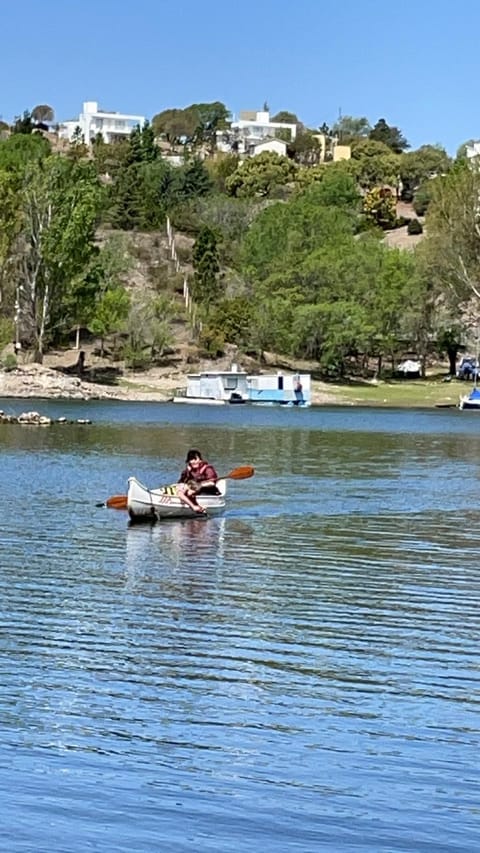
<point>161,385</point>
<point>43,382</point>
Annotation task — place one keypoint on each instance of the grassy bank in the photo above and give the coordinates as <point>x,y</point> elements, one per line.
<point>422,393</point>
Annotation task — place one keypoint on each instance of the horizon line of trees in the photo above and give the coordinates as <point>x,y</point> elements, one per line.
<point>287,257</point>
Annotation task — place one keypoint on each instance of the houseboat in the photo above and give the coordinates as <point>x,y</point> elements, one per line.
<point>236,386</point>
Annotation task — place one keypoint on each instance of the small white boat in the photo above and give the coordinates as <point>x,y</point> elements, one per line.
<point>470,401</point>
<point>154,504</point>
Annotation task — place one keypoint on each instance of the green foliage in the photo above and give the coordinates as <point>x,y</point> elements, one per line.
<point>6,331</point>
<point>260,175</point>
<point>206,282</point>
<point>9,362</point>
<point>337,188</point>
<point>194,180</point>
<point>349,128</point>
<point>379,207</point>
<point>24,123</point>
<point>376,165</point>
<point>196,124</point>
<point>450,252</point>
<point>449,341</point>
<point>423,197</point>
<point>221,169</point>
<point>233,318</point>
<point>389,135</point>
<point>19,150</point>
<point>283,233</point>
<point>60,201</point>
<point>111,313</point>
<point>306,149</point>
<point>417,167</point>
<point>285,117</point>
<point>212,341</point>
<point>414,227</point>
<point>149,330</point>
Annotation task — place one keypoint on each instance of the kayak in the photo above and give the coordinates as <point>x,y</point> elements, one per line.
<point>145,504</point>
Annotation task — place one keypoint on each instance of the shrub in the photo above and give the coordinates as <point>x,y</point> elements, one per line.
<point>212,342</point>
<point>414,227</point>
<point>422,199</point>
<point>9,362</point>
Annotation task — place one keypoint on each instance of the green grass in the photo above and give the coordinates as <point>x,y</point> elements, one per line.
<point>422,393</point>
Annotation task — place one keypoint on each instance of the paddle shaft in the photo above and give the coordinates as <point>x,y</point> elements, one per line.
<point>243,472</point>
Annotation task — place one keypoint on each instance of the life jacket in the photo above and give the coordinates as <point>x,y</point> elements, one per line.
<point>198,475</point>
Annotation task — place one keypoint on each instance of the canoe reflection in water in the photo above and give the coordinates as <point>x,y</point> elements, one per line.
<point>168,548</point>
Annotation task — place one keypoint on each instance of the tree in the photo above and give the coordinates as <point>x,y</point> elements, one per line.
<point>418,166</point>
<point>337,188</point>
<point>194,180</point>
<point>176,125</point>
<point>260,175</point>
<point>379,207</point>
<point>206,284</point>
<point>423,196</point>
<point>43,114</point>
<point>305,148</point>
<point>107,268</point>
<point>376,164</point>
<point>221,168</point>
<point>23,123</point>
<point>389,135</point>
<point>212,117</point>
<point>77,150</point>
<point>149,327</point>
<point>19,150</point>
<point>449,341</point>
<point>111,313</point>
<point>60,201</point>
<point>450,252</point>
<point>348,128</point>
<point>10,225</point>
<point>285,117</point>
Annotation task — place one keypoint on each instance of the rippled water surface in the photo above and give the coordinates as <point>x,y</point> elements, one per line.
<point>301,674</point>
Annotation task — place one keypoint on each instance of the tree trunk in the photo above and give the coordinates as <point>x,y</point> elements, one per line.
<point>452,360</point>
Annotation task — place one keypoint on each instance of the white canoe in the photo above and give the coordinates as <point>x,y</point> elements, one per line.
<point>152,504</point>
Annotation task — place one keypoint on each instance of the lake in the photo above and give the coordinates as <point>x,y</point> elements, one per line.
<point>301,674</point>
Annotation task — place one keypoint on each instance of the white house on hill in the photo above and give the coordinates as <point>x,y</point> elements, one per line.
<point>93,121</point>
<point>251,129</point>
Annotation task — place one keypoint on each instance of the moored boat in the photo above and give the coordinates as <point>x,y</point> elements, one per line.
<point>470,401</point>
<point>145,504</point>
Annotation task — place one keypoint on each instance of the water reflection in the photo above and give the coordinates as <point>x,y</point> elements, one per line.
<point>169,546</point>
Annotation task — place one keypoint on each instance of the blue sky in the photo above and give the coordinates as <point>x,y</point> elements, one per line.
<point>416,65</point>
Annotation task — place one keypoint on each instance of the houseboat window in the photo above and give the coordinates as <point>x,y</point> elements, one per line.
<point>231,382</point>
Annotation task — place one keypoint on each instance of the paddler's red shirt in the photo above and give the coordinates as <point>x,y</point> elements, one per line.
<point>202,472</point>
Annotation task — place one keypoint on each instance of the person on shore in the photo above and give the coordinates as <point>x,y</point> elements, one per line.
<point>298,389</point>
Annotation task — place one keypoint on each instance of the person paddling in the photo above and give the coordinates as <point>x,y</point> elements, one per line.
<point>198,477</point>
